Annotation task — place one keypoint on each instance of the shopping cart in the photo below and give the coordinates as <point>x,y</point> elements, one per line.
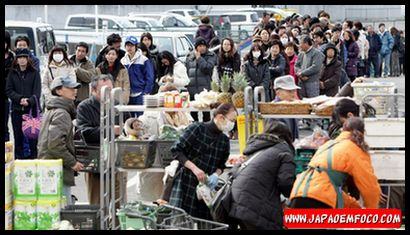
<point>163,217</point>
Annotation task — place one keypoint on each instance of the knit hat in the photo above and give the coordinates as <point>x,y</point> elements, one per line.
<point>257,38</point>
<point>22,52</point>
<point>200,41</point>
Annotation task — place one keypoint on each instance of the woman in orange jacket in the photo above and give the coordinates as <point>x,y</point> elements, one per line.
<point>320,186</point>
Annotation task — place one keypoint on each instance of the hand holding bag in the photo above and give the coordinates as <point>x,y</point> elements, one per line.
<point>31,125</point>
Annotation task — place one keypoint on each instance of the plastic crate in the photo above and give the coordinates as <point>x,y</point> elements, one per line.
<point>83,217</point>
<point>302,159</point>
<point>146,220</point>
<point>163,152</point>
<point>135,154</point>
<point>88,155</point>
<point>368,87</point>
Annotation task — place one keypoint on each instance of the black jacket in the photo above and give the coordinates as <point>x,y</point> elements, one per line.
<point>88,120</point>
<point>23,84</point>
<point>100,57</point>
<point>277,66</point>
<point>330,77</point>
<point>7,66</point>
<point>200,72</point>
<point>228,65</point>
<point>375,44</point>
<point>258,75</point>
<point>257,188</point>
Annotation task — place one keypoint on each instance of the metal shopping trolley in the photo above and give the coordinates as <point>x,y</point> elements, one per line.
<point>141,216</point>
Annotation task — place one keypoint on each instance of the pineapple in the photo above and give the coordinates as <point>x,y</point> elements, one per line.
<point>238,84</point>
<point>215,86</point>
<point>225,96</point>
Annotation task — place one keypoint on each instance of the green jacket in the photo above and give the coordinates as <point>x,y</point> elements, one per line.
<point>84,71</point>
<point>56,140</point>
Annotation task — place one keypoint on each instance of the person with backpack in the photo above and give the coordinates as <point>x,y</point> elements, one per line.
<point>23,87</point>
<point>319,186</point>
<point>269,173</point>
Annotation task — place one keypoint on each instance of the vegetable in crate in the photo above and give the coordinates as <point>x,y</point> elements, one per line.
<point>169,132</point>
<point>238,84</point>
<point>133,160</point>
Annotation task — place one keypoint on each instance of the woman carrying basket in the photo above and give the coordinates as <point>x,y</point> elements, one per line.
<point>202,150</point>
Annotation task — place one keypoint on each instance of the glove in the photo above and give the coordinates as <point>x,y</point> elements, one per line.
<point>212,181</point>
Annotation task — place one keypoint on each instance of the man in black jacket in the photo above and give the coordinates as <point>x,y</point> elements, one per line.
<point>112,40</point>
<point>375,45</point>
<point>88,123</point>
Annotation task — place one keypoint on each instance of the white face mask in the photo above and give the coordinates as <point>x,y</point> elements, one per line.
<point>284,41</point>
<point>256,54</point>
<point>58,57</point>
<point>228,126</point>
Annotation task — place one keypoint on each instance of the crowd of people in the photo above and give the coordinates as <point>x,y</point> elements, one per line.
<point>298,57</point>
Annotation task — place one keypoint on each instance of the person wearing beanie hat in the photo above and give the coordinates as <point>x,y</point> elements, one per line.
<point>205,30</point>
<point>56,139</point>
<point>23,88</point>
<point>331,73</point>
<point>200,65</point>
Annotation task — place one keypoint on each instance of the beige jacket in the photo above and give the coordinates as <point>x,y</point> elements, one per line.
<point>123,81</point>
<point>53,71</point>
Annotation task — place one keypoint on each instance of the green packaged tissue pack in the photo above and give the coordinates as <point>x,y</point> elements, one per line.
<point>24,215</point>
<point>48,213</point>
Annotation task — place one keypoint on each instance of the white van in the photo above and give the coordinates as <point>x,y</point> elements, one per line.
<point>87,22</point>
<point>242,23</point>
<point>41,36</point>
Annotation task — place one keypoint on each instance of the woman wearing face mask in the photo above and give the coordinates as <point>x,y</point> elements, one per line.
<point>256,69</point>
<point>229,60</point>
<point>256,190</point>
<point>112,65</point>
<point>265,39</point>
<point>202,150</point>
<point>277,63</point>
<point>58,65</point>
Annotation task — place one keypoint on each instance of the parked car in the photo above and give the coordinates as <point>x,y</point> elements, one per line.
<point>190,14</point>
<point>221,24</point>
<point>281,14</point>
<point>175,42</point>
<point>41,37</point>
<point>146,23</point>
<point>242,23</point>
<point>168,20</point>
<point>87,21</point>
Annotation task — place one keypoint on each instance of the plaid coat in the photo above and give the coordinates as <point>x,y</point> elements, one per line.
<point>208,148</point>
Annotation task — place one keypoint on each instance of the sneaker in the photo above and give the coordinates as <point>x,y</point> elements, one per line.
<point>385,76</point>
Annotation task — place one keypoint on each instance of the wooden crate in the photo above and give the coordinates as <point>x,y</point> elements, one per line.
<point>284,108</point>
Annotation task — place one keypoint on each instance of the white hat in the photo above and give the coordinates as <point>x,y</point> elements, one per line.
<point>285,82</point>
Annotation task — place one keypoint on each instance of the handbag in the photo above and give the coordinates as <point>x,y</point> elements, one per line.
<point>221,202</point>
<point>31,125</point>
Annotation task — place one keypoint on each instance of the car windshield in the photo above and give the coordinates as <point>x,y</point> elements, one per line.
<point>254,17</point>
<point>164,43</point>
<point>193,13</point>
<point>125,23</point>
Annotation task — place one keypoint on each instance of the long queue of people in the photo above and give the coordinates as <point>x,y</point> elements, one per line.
<point>295,58</point>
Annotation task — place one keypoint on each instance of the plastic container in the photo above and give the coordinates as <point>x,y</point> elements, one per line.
<point>83,217</point>
<point>134,154</point>
<point>89,156</point>
<point>302,159</point>
<point>163,152</point>
<point>368,87</point>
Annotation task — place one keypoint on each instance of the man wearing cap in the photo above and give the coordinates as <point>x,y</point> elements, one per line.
<point>112,40</point>
<point>200,63</point>
<point>23,87</point>
<point>140,72</point>
<point>285,89</point>
<point>56,140</point>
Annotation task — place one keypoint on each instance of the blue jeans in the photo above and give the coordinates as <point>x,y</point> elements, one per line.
<point>385,59</point>
<point>136,101</point>
<point>67,193</point>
